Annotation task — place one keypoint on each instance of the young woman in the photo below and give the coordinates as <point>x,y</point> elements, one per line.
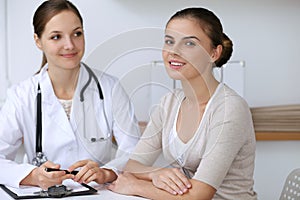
<point>67,113</point>
<point>204,130</point>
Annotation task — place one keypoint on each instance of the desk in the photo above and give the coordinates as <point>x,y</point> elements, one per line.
<point>102,194</point>
<point>260,135</point>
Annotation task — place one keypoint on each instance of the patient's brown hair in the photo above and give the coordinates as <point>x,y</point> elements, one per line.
<point>212,27</point>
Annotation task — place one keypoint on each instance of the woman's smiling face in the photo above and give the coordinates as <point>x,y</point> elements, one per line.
<point>187,50</point>
<point>63,40</point>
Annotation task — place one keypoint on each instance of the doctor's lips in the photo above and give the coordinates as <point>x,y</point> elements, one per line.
<point>56,170</point>
<point>69,55</point>
<point>174,64</point>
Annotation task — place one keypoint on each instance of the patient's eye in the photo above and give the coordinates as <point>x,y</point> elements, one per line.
<point>190,43</point>
<point>169,42</point>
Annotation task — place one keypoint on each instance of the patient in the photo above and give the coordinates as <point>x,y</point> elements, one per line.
<point>203,130</point>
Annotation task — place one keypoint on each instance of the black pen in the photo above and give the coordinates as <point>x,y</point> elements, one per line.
<point>56,170</point>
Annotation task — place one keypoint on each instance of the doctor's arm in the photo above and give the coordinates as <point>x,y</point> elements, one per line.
<point>13,118</point>
<point>125,127</point>
<point>11,172</point>
<point>126,133</point>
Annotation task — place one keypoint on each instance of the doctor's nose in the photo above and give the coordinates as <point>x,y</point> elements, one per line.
<point>69,44</point>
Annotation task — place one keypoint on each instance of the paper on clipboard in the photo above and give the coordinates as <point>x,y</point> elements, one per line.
<point>31,191</point>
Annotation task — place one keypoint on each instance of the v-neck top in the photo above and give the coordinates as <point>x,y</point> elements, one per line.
<point>222,151</point>
<point>179,148</point>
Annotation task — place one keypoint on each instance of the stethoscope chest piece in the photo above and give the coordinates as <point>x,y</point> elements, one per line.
<point>39,159</point>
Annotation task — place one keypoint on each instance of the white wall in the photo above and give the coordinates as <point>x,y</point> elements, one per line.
<point>265,35</point>
<point>3,54</point>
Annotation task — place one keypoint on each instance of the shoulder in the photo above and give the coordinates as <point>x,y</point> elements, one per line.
<point>172,97</point>
<point>228,99</point>
<point>23,88</point>
<point>105,77</point>
<point>21,94</point>
<point>228,107</point>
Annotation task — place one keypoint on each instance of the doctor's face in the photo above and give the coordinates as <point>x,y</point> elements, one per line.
<point>62,41</point>
<point>187,51</point>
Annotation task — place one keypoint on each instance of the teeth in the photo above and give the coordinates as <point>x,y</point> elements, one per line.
<point>176,64</point>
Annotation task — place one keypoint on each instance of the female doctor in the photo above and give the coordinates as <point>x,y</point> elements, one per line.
<point>67,113</point>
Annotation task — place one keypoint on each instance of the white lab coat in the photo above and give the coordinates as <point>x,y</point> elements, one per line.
<point>63,141</point>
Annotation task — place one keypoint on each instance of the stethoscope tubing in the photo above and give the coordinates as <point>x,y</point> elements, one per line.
<point>40,157</point>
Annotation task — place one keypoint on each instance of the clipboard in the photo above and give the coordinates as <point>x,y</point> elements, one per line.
<point>35,192</point>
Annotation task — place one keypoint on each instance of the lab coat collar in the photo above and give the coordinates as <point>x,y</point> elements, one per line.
<point>51,105</point>
<point>48,95</point>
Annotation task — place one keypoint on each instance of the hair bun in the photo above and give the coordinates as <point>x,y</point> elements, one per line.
<point>226,52</point>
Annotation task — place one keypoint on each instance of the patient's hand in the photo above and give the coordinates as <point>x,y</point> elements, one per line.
<point>126,183</point>
<point>171,180</point>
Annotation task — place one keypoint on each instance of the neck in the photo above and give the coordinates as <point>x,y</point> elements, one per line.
<point>64,82</point>
<point>198,90</point>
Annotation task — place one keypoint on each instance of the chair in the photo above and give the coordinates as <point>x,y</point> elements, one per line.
<point>291,188</point>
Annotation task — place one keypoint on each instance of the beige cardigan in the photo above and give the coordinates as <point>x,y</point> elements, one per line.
<point>221,152</point>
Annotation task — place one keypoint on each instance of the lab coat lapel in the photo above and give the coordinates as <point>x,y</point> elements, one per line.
<point>51,106</point>
<point>81,108</point>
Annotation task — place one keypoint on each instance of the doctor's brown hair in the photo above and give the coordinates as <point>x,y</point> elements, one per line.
<point>44,14</point>
<point>212,27</point>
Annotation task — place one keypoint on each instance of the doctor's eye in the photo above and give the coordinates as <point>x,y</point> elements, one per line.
<point>55,37</point>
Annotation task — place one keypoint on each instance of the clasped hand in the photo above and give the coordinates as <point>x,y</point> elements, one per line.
<point>171,180</point>
<point>89,171</point>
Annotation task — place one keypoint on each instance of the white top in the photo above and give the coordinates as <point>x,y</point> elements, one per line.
<point>87,135</point>
<point>222,151</point>
<point>66,104</point>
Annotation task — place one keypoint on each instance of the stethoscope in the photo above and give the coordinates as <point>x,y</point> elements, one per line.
<point>40,157</point>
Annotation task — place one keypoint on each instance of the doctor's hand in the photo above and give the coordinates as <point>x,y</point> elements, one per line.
<point>171,180</point>
<point>39,177</point>
<point>90,171</point>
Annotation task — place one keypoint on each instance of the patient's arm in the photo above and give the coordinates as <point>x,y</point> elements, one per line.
<point>171,180</point>
<point>139,170</point>
<point>130,185</point>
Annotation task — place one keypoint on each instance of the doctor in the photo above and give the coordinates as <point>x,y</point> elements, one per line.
<point>67,113</point>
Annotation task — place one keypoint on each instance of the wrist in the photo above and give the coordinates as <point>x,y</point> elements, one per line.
<point>150,175</point>
<point>147,174</point>
<point>109,175</point>
<point>140,186</point>
<point>30,178</point>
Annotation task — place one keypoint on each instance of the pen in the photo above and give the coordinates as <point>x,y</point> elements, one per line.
<point>56,170</point>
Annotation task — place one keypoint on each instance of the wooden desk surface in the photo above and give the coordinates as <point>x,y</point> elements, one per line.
<point>264,136</point>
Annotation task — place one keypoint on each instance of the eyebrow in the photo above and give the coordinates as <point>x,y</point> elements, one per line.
<point>184,38</point>
<point>75,29</point>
